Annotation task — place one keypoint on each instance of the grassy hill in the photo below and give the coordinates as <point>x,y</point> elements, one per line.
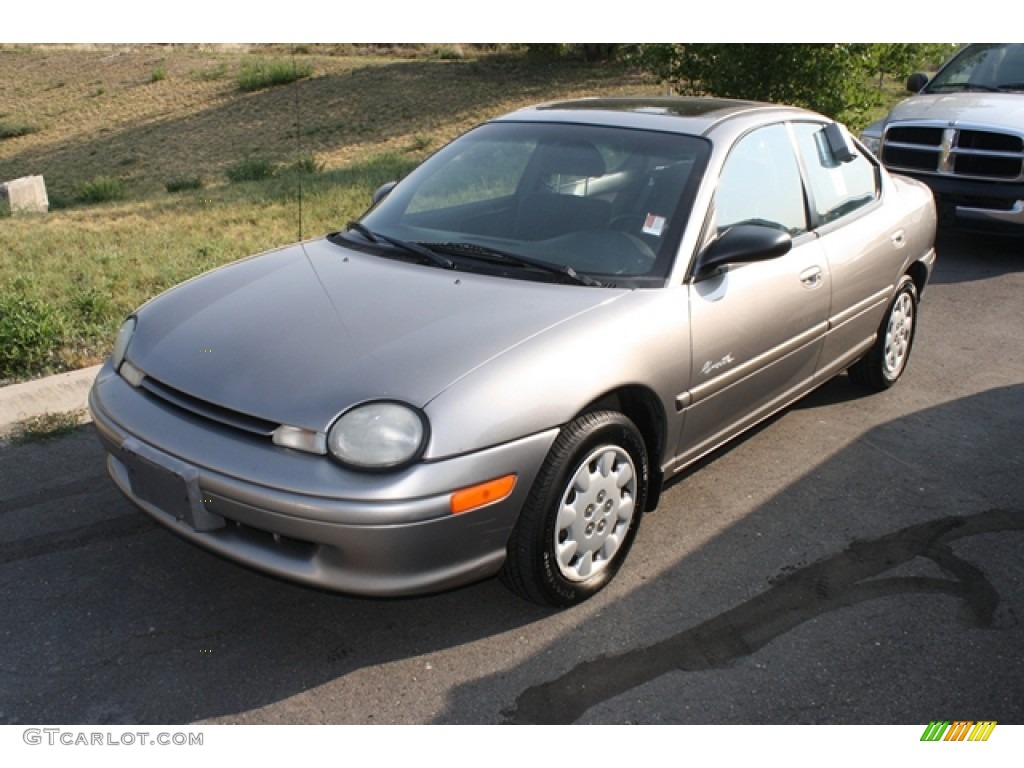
<point>165,161</point>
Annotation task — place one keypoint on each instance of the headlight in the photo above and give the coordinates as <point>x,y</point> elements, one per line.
<point>124,338</point>
<point>378,435</point>
<point>871,137</point>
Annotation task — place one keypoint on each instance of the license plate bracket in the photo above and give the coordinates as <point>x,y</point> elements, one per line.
<point>170,485</point>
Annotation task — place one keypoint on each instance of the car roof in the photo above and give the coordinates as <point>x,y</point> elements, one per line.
<point>692,115</point>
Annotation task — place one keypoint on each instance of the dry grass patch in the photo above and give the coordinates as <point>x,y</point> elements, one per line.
<point>49,426</point>
<point>166,145</point>
<point>103,115</point>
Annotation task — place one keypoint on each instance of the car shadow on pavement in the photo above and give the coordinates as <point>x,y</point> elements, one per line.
<point>107,618</point>
<point>963,257</point>
<point>904,540</point>
<point>854,575</point>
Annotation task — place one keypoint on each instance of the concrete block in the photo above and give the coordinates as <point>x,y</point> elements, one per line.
<point>26,195</point>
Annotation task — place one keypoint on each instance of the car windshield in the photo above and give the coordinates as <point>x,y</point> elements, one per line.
<point>982,67</point>
<point>513,198</point>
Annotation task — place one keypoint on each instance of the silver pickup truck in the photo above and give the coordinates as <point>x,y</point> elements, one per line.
<point>962,134</point>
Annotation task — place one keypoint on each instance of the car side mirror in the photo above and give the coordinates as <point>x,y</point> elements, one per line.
<point>383,191</point>
<point>916,82</point>
<point>839,149</point>
<point>741,244</point>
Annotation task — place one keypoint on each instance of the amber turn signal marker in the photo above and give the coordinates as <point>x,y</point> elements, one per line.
<point>477,496</point>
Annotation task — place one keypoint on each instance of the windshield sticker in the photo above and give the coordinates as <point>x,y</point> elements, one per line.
<point>654,225</point>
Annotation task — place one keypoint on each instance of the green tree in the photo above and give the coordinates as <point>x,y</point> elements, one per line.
<point>899,60</point>
<point>832,78</point>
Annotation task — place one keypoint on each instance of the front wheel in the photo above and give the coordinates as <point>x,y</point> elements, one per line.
<point>582,513</point>
<point>885,362</point>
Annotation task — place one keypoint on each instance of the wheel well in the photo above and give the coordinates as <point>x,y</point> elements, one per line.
<point>642,407</point>
<point>919,274</point>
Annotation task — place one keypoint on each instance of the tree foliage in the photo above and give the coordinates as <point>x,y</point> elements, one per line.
<point>902,59</point>
<point>836,79</point>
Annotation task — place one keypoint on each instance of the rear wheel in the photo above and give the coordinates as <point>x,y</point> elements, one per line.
<point>582,513</point>
<point>885,362</point>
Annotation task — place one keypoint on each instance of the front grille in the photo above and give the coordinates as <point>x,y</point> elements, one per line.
<point>996,142</point>
<point>914,134</point>
<point>969,153</point>
<point>177,398</point>
<point>911,159</point>
<point>987,165</point>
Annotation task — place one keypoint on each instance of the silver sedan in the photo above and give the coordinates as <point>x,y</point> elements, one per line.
<point>496,369</point>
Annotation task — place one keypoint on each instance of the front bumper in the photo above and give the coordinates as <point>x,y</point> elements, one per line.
<point>971,204</point>
<point>302,517</point>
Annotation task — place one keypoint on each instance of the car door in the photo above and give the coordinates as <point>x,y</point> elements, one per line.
<point>862,240</point>
<point>756,328</point>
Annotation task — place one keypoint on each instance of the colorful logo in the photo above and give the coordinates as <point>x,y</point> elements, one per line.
<point>958,730</point>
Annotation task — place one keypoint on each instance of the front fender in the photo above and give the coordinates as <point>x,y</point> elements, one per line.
<point>641,340</point>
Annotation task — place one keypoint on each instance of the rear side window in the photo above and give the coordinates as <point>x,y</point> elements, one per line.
<point>837,189</point>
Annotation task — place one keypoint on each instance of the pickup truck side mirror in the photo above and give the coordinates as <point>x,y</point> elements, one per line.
<point>916,82</point>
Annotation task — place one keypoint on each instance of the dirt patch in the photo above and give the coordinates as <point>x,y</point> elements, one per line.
<point>150,114</point>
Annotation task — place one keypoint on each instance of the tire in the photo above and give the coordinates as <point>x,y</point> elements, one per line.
<point>885,362</point>
<point>582,513</point>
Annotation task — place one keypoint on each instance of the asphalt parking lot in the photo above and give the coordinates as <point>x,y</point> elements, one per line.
<point>857,559</point>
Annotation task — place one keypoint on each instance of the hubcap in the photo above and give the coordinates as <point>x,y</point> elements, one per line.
<point>897,335</point>
<point>595,512</point>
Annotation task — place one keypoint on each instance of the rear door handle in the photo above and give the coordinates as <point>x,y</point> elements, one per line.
<point>811,277</point>
<point>898,238</point>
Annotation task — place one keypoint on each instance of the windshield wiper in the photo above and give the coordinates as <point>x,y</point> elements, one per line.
<point>495,254</point>
<point>414,248</point>
<point>1011,87</point>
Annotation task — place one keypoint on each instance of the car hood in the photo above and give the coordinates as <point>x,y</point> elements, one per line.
<point>1004,110</point>
<point>298,335</point>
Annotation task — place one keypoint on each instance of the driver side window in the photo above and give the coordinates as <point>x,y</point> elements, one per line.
<point>760,184</point>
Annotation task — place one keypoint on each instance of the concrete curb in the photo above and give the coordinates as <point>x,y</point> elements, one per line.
<point>63,393</point>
